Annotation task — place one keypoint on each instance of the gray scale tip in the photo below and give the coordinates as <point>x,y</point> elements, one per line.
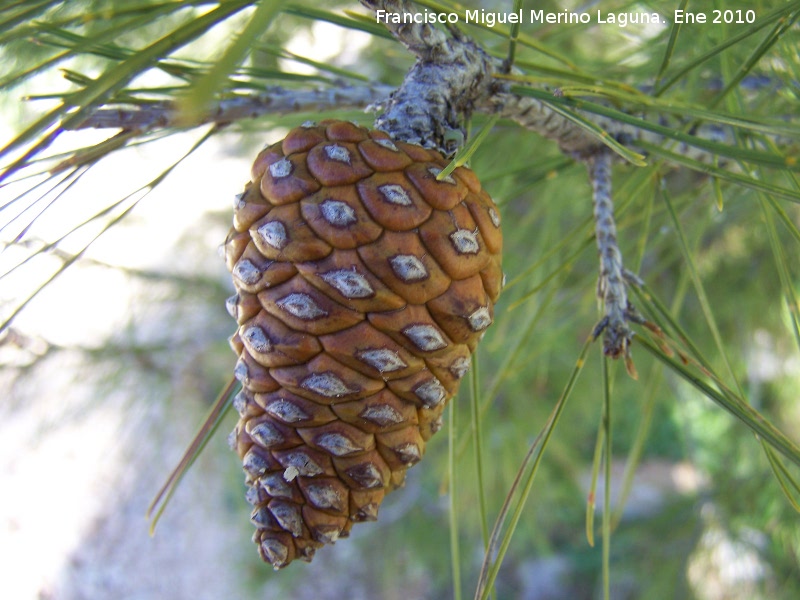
<point>280,169</point>
<point>408,267</point>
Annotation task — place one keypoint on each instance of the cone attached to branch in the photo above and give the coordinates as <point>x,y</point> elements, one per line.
<point>364,284</point>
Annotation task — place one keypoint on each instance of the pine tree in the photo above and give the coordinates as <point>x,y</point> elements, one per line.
<point>669,150</point>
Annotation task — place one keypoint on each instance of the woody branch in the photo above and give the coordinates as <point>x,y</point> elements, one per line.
<point>453,78</point>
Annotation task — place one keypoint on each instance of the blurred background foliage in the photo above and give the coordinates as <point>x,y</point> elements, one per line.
<point>704,517</point>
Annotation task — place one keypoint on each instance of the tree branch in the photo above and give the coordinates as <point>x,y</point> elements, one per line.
<point>452,79</point>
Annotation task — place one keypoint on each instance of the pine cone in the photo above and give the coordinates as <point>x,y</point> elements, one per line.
<point>363,286</point>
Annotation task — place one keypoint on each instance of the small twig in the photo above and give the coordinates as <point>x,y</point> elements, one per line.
<point>536,116</point>
<point>612,281</point>
<point>275,100</point>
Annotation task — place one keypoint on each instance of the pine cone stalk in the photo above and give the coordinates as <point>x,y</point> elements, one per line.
<point>363,285</point>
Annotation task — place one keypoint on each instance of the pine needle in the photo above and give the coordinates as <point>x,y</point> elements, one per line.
<point>211,422</point>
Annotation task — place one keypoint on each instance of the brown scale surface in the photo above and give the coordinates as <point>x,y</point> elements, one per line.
<point>363,286</point>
